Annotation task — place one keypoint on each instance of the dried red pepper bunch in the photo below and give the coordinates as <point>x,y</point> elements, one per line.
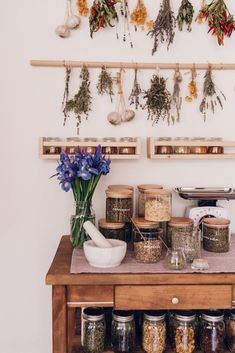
<point>219,19</point>
<point>102,13</point>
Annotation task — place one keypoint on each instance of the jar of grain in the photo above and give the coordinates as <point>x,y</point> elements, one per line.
<point>230,331</point>
<point>112,230</point>
<point>148,244</point>
<point>184,332</point>
<point>141,197</point>
<point>216,234</point>
<point>93,330</point>
<point>109,147</point>
<point>123,332</point>
<point>119,205</point>
<point>157,205</point>
<point>154,332</point>
<point>212,332</point>
<point>183,235</point>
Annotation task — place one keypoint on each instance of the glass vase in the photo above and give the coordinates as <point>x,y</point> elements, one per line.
<point>83,212</point>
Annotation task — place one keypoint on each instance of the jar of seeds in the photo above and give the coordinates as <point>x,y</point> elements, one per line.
<point>141,197</point>
<point>112,230</point>
<point>148,244</point>
<point>183,235</point>
<point>154,332</point>
<point>119,205</point>
<point>216,234</point>
<point>212,332</point>
<point>158,205</point>
<point>123,332</point>
<point>184,332</point>
<point>230,331</point>
<point>93,328</point>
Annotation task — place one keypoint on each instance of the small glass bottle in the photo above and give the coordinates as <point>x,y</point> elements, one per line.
<point>123,332</point>
<point>73,145</point>
<point>158,205</point>
<point>109,149</point>
<point>154,332</point>
<point>184,332</point>
<point>119,205</point>
<point>127,149</point>
<point>212,332</point>
<point>141,197</point>
<point>175,260</point>
<point>112,230</point>
<point>93,329</point>
<point>89,149</point>
<point>230,331</point>
<point>216,234</point>
<point>53,148</point>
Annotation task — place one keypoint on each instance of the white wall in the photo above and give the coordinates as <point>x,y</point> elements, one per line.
<point>34,211</point>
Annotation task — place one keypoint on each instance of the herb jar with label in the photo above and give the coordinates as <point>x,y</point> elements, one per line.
<point>123,332</point>
<point>230,331</point>
<point>127,149</point>
<point>154,332</point>
<point>184,332</point>
<point>112,230</point>
<point>119,205</point>
<point>109,149</point>
<point>157,205</point>
<point>212,332</point>
<point>148,244</point>
<point>216,234</point>
<point>93,330</point>
<point>141,197</point>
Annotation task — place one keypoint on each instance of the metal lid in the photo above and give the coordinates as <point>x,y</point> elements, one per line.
<point>123,316</point>
<point>93,314</point>
<point>186,316</point>
<point>154,315</point>
<point>216,222</point>
<point>121,193</point>
<point>120,186</point>
<point>143,223</point>
<point>162,192</point>
<point>213,315</point>
<point>180,222</point>
<point>108,225</point>
<point>144,187</point>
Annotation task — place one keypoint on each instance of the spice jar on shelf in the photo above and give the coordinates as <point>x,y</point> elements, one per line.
<point>230,331</point>
<point>109,149</point>
<point>148,244</point>
<point>181,150</point>
<point>141,197</point>
<point>112,230</point>
<point>212,332</point>
<point>216,234</point>
<point>89,149</point>
<point>161,149</point>
<point>154,332</point>
<point>184,332</point>
<point>53,149</point>
<point>93,329</point>
<point>119,205</point>
<point>157,205</point>
<point>125,149</point>
<point>75,141</point>
<point>123,332</point>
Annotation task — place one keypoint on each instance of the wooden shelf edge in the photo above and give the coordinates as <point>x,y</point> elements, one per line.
<point>192,156</point>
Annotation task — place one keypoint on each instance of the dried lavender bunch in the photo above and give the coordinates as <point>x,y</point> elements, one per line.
<point>80,105</point>
<point>164,26</point>
<point>176,99</point>
<point>105,83</point>
<point>185,15</point>
<point>158,100</point>
<point>136,93</point>
<point>210,95</point>
<point>66,93</point>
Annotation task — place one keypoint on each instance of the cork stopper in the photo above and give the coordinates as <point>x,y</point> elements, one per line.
<point>121,194</point>
<point>144,187</point>
<point>216,222</point>
<point>162,192</point>
<point>143,223</point>
<point>180,222</point>
<point>108,225</point>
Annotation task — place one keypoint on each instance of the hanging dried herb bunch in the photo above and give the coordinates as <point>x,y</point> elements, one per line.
<point>164,26</point>
<point>158,100</point>
<point>192,86</point>
<point>139,15</point>
<point>211,97</point>
<point>66,92</point>
<point>176,99</point>
<point>136,92</point>
<point>80,105</point>
<point>82,7</point>
<point>125,15</point>
<point>105,83</point>
<point>185,15</point>
<point>102,13</point>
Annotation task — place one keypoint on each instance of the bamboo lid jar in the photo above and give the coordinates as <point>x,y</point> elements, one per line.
<point>216,234</point>
<point>158,205</point>
<point>141,196</point>
<point>119,205</point>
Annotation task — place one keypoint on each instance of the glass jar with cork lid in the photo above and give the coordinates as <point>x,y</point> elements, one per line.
<point>216,234</point>
<point>119,205</point>
<point>112,230</point>
<point>158,205</point>
<point>141,196</point>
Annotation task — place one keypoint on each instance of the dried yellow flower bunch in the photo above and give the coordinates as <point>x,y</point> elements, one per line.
<point>82,8</point>
<point>192,87</point>
<point>139,15</point>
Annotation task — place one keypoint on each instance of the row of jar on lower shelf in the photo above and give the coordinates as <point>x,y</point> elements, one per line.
<point>185,331</point>
<point>189,149</point>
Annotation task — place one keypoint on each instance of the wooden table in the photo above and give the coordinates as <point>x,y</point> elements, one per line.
<point>128,291</point>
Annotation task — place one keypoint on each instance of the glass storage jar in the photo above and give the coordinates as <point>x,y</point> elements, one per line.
<point>112,230</point>
<point>109,149</point>
<point>127,149</point>
<point>148,245</point>
<point>184,332</point>
<point>89,149</point>
<point>181,149</point>
<point>93,330</point>
<point>141,197</point>
<point>154,332</point>
<point>123,332</point>
<point>163,149</point>
<point>184,236</point>
<point>53,149</point>
<point>119,205</point>
<point>230,331</point>
<point>74,143</point>
<point>216,234</point>
<point>157,205</point>
<point>212,332</point>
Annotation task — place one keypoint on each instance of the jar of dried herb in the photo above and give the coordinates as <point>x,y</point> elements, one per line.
<point>109,147</point>
<point>230,331</point>
<point>147,241</point>
<point>93,328</point>
<point>216,234</point>
<point>119,205</point>
<point>182,235</point>
<point>154,332</point>
<point>212,332</point>
<point>123,332</point>
<point>184,332</point>
<point>141,197</point>
<point>157,205</point>
<point>112,230</point>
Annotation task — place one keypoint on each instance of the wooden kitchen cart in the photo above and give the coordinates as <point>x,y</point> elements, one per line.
<point>128,291</point>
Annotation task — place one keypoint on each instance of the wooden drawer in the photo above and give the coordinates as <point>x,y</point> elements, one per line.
<point>80,296</point>
<point>173,297</point>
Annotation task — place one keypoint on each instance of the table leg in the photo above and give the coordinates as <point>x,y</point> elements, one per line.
<point>59,319</point>
<point>70,327</point>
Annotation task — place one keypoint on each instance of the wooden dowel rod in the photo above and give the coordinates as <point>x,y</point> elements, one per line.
<point>131,65</point>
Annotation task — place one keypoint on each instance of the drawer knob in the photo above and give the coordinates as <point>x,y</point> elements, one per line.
<point>175,300</point>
